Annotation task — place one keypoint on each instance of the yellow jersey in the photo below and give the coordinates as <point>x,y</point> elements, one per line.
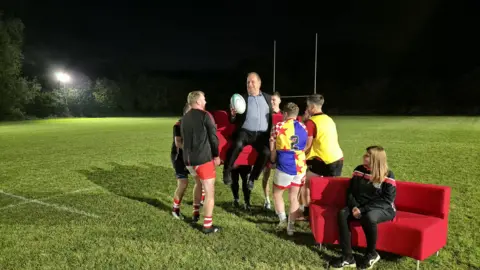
<point>325,144</point>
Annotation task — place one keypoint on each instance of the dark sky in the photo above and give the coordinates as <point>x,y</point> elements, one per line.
<point>172,35</point>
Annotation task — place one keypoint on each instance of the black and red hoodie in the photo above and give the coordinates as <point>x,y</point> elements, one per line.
<point>199,134</point>
<point>365,195</point>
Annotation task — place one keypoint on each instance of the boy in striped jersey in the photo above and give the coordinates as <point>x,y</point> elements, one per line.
<point>287,143</point>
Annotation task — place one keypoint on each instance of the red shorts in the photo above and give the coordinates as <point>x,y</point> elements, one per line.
<point>204,172</point>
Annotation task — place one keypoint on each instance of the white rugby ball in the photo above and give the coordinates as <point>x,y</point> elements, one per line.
<point>237,102</point>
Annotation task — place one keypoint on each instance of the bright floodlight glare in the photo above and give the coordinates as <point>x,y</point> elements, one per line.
<point>62,77</point>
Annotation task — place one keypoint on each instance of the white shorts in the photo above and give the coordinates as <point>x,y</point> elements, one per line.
<point>283,180</point>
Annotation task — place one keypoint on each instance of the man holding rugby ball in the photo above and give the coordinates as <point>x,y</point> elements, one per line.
<point>253,128</point>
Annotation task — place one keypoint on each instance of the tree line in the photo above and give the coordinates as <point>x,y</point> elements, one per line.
<point>351,89</point>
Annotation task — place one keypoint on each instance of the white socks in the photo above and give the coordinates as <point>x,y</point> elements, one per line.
<point>282,216</point>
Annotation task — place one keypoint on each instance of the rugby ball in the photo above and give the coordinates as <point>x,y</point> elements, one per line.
<point>237,102</point>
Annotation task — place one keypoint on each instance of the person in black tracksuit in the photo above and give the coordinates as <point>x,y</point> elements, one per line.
<point>201,153</point>
<point>370,199</point>
<point>181,172</point>
<point>241,171</point>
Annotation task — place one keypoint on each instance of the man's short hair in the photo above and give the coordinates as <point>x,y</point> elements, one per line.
<point>194,96</point>
<point>291,109</point>
<point>316,100</point>
<point>256,74</point>
<point>277,94</point>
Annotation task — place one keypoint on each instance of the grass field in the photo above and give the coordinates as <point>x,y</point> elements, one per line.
<point>97,193</point>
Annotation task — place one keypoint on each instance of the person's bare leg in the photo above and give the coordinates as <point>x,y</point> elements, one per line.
<point>279,207</point>
<point>294,209</point>
<point>208,205</point>
<point>182,185</point>
<point>294,204</point>
<point>197,197</point>
<point>306,193</point>
<point>266,188</point>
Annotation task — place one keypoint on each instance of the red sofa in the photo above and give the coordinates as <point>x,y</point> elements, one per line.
<point>419,229</point>
<point>224,133</point>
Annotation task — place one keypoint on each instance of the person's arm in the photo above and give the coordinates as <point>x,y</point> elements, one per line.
<point>312,132</point>
<point>351,201</point>
<point>389,189</point>
<point>273,141</point>
<point>178,136</point>
<point>233,115</point>
<point>212,134</point>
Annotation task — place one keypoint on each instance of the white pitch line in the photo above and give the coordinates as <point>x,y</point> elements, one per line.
<point>48,198</point>
<point>56,206</point>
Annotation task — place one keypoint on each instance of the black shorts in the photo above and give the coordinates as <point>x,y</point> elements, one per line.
<point>319,167</point>
<point>181,171</point>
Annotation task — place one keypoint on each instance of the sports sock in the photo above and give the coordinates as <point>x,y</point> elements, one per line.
<point>282,216</point>
<point>176,205</point>
<point>196,210</point>
<point>203,195</point>
<point>267,200</point>
<point>302,207</point>
<point>207,222</point>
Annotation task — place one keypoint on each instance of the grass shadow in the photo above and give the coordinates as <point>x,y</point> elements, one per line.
<point>256,214</point>
<point>140,183</point>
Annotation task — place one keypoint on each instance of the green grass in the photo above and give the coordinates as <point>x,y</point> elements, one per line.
<point>123,163</point>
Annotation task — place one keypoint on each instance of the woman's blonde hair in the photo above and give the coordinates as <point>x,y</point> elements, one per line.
<point>378,163</point>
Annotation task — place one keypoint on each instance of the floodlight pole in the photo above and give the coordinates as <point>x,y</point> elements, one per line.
<point>315,76</point>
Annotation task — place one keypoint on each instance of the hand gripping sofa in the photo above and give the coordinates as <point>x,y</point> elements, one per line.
<point>419,229</point>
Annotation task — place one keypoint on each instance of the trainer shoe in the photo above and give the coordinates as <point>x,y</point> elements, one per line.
<point>282,225</point>
<point>342,263</point>
<point>195,218</point>
<point>267,206</point>
<point>212,229</point>
<point>291,228</point>
<point>250,184</point>
<point>227,178</point>
<point>178,215</point>
<point>236,204</point>
<point>369,260</point>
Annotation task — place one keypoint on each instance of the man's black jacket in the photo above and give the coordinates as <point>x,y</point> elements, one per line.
<point>240,118</point>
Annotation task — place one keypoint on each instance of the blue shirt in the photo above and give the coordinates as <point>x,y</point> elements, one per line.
<point>257,114</point>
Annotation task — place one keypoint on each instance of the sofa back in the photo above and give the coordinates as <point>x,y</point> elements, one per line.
<point>426,199</point>
<point>225,130</point>
<point>221,118</point>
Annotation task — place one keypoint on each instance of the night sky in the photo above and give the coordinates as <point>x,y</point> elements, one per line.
<point>195,35</point>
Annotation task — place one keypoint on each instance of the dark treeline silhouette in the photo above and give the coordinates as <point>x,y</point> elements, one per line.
<point>395,75</point>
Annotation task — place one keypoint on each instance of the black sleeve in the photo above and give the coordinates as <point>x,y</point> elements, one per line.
<point>211,133</point>
<point>176,130</point>
<point>351,201</point>
<point>389,190</point>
